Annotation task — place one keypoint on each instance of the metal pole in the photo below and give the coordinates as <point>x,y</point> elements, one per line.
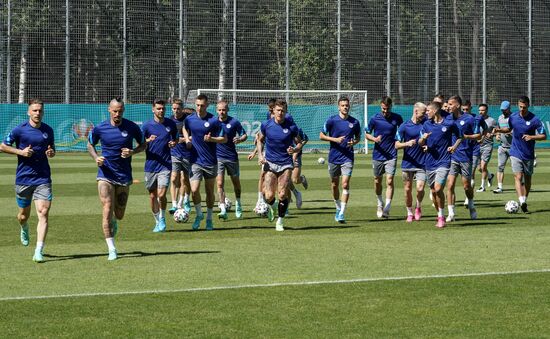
<point>8,57</point>
<point>287,60</point>
<point>484,62</point>
<point>388,55</point>
<point>124,55</point>
<point>529,66</point>
<point>67,55</point>
<point>338,56</point>
<point>436,46</point>
<point>180,61</point>
<point>234,49</point>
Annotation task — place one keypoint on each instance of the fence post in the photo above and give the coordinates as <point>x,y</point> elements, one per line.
<point>67,55</point>
<point>338,56</point>
<point>287,61</point>
<point>180,46</point>
<point>388,55</point>
<point>234,50</point>
<point>436,46</point>
<point>8,57</point>
<point>124,55</point>
<point>530,57</point>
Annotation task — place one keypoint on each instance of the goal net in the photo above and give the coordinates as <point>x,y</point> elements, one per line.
<point>309,108</point>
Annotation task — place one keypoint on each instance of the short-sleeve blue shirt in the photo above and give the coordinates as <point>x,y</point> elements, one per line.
<point>387,128</point>
<point>440,139</point>
<point>204,153</point>
<point>180,151</point>
<point>231,128</point>
<point>413,157</point>
<point>530,125</point>
<point>336,127</point>
<point>113,139</point>
<point>157,155</point>
<point>34,170</point>
<point>466,124</point>
<point>278,138</point>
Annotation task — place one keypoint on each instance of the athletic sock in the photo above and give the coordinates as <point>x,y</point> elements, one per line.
<point>379,200</point>
<point>198,209</point>
<point>499,185</point>
<point>110,243</point>
<point>418,204</point>
<point>522,199</point>
<point>283,205</point>
<point>162,213</point>
<point>343,207</point>
<point>338,204</point>
<point>156,216</point>
<point>409,211</point>
<point>223,209</point>
<point>174,204</point>
<point>440,212</point>
<point>388,205</point>
<point>452,209</point>
<point>209,214</point>
<point>471,203</point>
<point>39,246</point>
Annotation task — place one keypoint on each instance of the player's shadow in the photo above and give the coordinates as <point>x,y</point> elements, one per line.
<point>320,227</point>
<point>134,254</point>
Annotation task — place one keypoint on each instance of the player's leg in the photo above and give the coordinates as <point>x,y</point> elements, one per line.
<point>209,184</point>
<point>420,185</point>
<point>378,172</point>
<point>185,191</point>
<point>175,188</point>
<point>283,180</point>
<point>389,169</point>
<point>163,181</point>
<point>519,169</point>
<point>151,184</point>
<point>503,155</point>
<point>334,172</point>
<point>439,177</point>
<point>297,176</point>
<point>466,173</point>
<point>42,201</point>
<point>23,196</point>
<point>236,181</point>
<point>295,180</point>
<point>269,191</point>
<point>407,190</point>
<point>451,182</point>
<point>220,182</point>
<point>107,197</point>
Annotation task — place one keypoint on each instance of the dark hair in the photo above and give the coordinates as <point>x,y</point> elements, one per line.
<point>467,103</point>
<point>202,97</point>
<point>177,101</point>
<point>117,100</point>
<point>343,98</point>
<point>386,100</point>
<point>187,110</point>
<point>36,102</point>
<point>159,102</point>
<point>281,103</point>
<point>440,96</point>
<point>456,98</point>
<point>484,105</point>
<point>524,99</point>
<point>435,104</point>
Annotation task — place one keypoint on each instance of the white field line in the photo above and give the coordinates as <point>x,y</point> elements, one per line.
<point>296,283</point>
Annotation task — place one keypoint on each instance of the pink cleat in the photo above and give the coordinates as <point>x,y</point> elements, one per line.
<point>410,218</point>
<point>417,213</point>
<point>440,222</point>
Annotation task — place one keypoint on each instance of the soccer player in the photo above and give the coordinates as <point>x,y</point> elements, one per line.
<point>296,175</point>
<point>114,175</point>
<point>505,144</point>
<point>203,131</point>
<point>228,159</point>
<point>486,146</point>
<point>34,144</point>
<point>343,132</point>
<point>381,130</point>
<point>461,159</point>
<point>160,135</point>
<point>437,142</point>
<point>279,134</point>
<point>412,164</point>
<point>526,129</point>
<point>180,187</point>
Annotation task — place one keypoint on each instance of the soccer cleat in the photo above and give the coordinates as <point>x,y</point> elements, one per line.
<point>410,218</point>
<point>498,190</point>
<point>440,222</point>
<point>238,211</point>
<point>209,225</point>
<point>162,224</point>
<point>197,222</point>
<point>336,215</point>
<point>466,203</point>
<point>279,226</point>
<point>114,227</point>
<point>379,212</point>
<point>38,257</point>
<point>112,255</point>
<point>25,238</point>
<point>340,218</point>
<point>417,213</point>
<point>187,206</point>
<point>450,218</point>
<point>270,213</point>
<point>298,199</point>
<point>524,207</point>
<point>385,213</point>
<point>490,180</point>
<point>481,189</point>
<point>172,210</point>
<point>473,213</point>
<point>304,181</point>
<point>223,216</point>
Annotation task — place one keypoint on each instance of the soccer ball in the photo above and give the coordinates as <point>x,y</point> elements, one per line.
<point>228,204</point>
<point>511,206</point>
<point>261,209</point>
<point>180,215</point>
<point>321,160</point>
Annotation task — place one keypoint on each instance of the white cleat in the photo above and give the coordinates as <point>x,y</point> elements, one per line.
<point>450,218</point>
<point>379,212</point>
<point>279,227</point>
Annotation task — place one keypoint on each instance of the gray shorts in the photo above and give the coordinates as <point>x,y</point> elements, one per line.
<point>24,194</point>
<point>207,172</point>
<point>156,180</point>
<point>486,153</point>
<point>269,166</point>
<point>381,167</point>
<point>462,168</point>
<point>417,174</point>
<point>522,166</point>
<point>298,162</point>
<point>181,165</point>
<point>336,170</point>
<point>503,156</point>
<point>232,167</point>
<point>476,159</point>
<point>439,175</point>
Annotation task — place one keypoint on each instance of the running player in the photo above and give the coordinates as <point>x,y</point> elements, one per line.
<point>297,176</point>
<point>228,159</point>
<point>381,130</point>
<point>180,187</point>
<point>486,146</point>
<point>343,132</point>
<point>505,144</point>
<point>34,144</point>
<point>412,165</point>
<point>114,175</point>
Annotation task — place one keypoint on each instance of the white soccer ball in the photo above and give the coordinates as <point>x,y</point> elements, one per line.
<point>261,209</point>
<point>511,206</point>
<point>321,160</point>
<point>228,204</point>
<point>180,215</point>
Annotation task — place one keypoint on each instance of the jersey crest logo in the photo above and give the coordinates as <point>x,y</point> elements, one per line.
<point>350,125</point>
<point>124,134</point>
<point>444,129</point>
<point>168,129</point>
<point>207,124</point>
<point>393,122</point>
<point>285,130</point>
<point>462,123</point>
<point>228,125</point>
<point>528,123</point>
<point>45,135</point>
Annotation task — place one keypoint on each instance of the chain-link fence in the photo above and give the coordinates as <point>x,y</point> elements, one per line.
<point>88,51</point>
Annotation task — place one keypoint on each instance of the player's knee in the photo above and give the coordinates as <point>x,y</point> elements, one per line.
<point>119,214</point>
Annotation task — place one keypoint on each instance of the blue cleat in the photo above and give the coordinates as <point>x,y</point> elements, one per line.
<point>161,225</point>
<point>172,210</point>
<point>197,222</point>
<point>337,214</point>
<point>187,206</point>
<point>209,225</point>
<point>25,238</point>
<point>38,257</point>
<point>238,211</point>
<point>112,255</point>
<point>340,218</point>
<point>222,216</point>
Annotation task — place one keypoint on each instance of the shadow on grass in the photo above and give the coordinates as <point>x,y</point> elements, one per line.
<point>122,255</point>
<point>307,228</point>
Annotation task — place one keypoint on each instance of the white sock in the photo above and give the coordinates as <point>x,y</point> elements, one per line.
<point>472,182</point>
<point>451,209</point>
<point>209,213</point>
<point>466,201</point>
<point>380,202</point>
<point>482,183</point>
<point>260,196</point>
<point>174,204</point>
<point>388,205</point>
<point>198,209</point>
<point>440,212</point>
<point>161,213</point>
<point>342,207</point>
<point>499,185</point>
<point>238,201</point>
<point>222,208</point>
<point>279,219</point>
<point>409,211</point>
<point>110,243</point>
<point>522,199</point>
<point>39,246</point>
<point>418,204</point>
<point>338,204</point>
<point>156,216</point>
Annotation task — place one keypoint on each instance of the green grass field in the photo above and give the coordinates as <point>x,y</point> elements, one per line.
<point>366,278</point>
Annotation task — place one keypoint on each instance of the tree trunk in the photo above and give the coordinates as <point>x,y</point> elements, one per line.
<point>23,69</point>
<point>475,62</point>
<point>223,47</point>
<point>457,49</point>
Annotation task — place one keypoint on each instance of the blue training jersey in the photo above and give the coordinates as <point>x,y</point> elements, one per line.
<point>336,127</point>
<point>34,170</point>
<point>530,125</point>
<point>413,157</point>
<point>158,155</point>
<point>466,124</point>
<point>278,138</point>
<point>476,146</point>
<point>385,127</point>
<point>204,153</point>
<point>441,138</point>
<point>113,139</point>
<point>180,151</point>
<point>231,128</point>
